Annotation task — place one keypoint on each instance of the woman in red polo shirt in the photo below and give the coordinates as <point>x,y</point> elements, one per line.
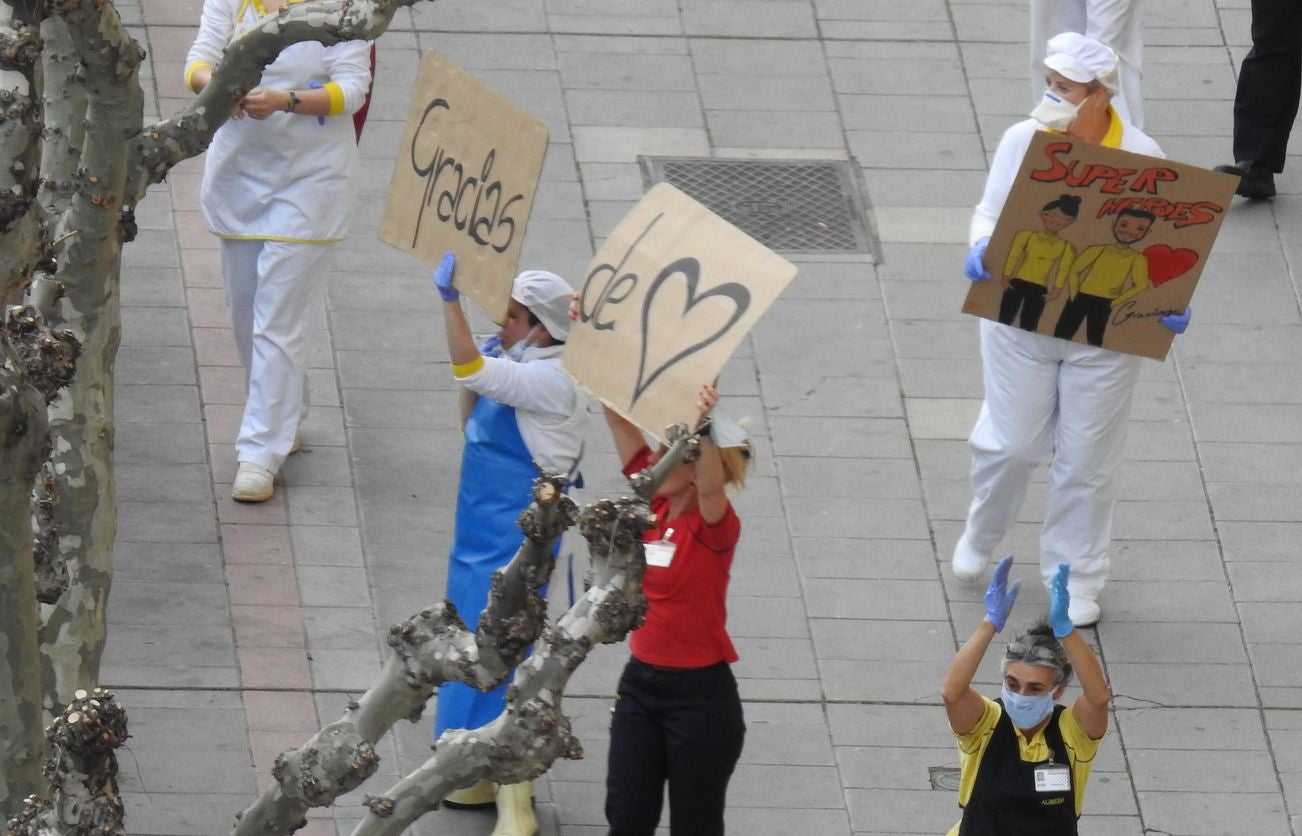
<point>678,717</point>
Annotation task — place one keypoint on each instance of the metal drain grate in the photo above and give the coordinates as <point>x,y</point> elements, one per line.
<point>801,206</point>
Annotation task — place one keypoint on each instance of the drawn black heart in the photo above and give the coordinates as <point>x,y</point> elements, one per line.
<point>690,269</point>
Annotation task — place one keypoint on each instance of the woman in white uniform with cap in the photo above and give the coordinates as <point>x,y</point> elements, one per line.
<point>520,412</point>
<point>276,190</point>
<point>1045,395</point>
<point>1115,23</point>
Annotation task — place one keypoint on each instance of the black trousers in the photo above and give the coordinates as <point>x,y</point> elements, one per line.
<point>1028,296</point>
<point>1094,311</point>
<point>1270,82</point>
<point>681,727</point>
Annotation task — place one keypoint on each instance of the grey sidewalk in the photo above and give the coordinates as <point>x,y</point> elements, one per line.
<point>237,630</point>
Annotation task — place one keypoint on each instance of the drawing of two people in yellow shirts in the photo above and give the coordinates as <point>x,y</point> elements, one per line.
<point>1040,264</point>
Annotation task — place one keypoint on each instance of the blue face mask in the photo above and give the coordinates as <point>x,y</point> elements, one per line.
<point>1027,712</point>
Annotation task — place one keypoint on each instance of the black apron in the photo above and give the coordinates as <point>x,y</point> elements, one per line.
<point>1004,801</point>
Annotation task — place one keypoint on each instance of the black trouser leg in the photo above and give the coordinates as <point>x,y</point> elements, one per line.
<point>635,769</point>
<point>1270,81</point>
<point>705,740</point>
<point>1032,305</point>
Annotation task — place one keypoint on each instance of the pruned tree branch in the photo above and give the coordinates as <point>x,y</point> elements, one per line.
<point>81,771</point>
<point>432,647</point>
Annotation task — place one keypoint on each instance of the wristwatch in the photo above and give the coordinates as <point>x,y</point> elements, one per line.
<point>293,101</point>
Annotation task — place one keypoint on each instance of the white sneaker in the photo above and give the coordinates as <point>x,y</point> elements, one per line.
<point>968,563</point>
<point>253,483</point>
<point>297,445</point>
<point>1083,612</point>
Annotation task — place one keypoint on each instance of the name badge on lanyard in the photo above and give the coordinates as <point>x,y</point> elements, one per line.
<point>1052,777</point>
<point>661,552</point>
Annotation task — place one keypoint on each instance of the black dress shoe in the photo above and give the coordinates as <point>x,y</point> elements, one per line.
<point>1256,180</point>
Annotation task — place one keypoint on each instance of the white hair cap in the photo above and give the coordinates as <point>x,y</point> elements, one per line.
<point>547,296</point>
<point>1082,59</point>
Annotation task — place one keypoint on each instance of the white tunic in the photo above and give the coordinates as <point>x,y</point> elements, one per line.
<point>286,177</point>
<point>549,410</point>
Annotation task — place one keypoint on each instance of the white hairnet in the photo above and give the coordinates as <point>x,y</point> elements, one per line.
<point>1082,59</point>
<point>547,296</point>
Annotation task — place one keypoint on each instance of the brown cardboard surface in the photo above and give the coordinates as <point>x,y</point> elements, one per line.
<point>665,303</point>
<point>464,178</point>
<point>1188,204</point>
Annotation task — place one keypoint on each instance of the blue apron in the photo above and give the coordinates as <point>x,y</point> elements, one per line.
<point>497,476</point>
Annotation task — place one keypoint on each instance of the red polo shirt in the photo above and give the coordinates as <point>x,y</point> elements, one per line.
<point>687,614</point>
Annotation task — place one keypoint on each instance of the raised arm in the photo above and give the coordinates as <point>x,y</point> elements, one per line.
<point>963,705</point>
<point>1091,707</point>
<point>627,436</point>
<point>711,496</point>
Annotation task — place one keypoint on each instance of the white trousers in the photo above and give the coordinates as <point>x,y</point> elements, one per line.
<point>272,290</point>
<point>1046,396</point>
<point>1117,23</point>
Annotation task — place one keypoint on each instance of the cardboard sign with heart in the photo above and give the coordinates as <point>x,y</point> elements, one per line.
<point>664,304</point>
<point>1091,239</point>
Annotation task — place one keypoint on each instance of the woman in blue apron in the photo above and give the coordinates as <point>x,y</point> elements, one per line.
<point>520,412</point>
<point>1024,760</point>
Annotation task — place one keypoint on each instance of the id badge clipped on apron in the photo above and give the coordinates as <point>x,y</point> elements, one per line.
<point>1052,777</point>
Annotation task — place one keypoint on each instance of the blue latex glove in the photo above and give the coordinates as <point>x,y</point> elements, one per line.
<point>320,120</point>
<point>1177,322</point>
<point>972,267</point>
<point>443,278</point>
<point>491,347</point>
<point>1000,594</point>
<point>1059,598</point>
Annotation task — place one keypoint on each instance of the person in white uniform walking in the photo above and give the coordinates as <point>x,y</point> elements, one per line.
<point>1045,395</point>
<point>276,190</point>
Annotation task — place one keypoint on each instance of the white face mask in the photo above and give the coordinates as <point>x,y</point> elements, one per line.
<point>1055,112</point>
<point>516,351</point>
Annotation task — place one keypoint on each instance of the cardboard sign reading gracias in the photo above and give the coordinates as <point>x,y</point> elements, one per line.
<point>665,303</point>
<point>1096,244</point>
<point>464,180</point>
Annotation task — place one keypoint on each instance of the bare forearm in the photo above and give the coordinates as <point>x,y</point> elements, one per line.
<point>1093,683</point>
<point>964,666</point>
<point>461,343</point>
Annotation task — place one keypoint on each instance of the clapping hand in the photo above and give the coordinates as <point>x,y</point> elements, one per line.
<point>1000,594</point>
<point>1059,599</point>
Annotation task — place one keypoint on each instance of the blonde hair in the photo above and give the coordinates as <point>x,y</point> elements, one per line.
<point>736,465</point>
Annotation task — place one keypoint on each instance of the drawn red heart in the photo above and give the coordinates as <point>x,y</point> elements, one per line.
<point>1165,263</point>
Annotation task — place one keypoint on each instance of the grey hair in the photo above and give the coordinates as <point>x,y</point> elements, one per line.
<point>1040,648</point>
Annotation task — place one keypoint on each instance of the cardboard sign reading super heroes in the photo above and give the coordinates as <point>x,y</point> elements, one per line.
<point>1097,244</point>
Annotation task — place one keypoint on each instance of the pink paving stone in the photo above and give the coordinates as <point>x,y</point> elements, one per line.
<point>253,583</point>
<point>274,667</point>
<point>222,384</point>
<point>271,512</point>
<point>202,268</point>
<point>221,455</point>
<point>256,544</point>
<point>185,189</point>
<point>171,12</point>
<point>281,711</point>
<point>208,307</point>
<point>215,347</point>
<point>191,229</point>
<point>223,419</point>
<point>268,626</point>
